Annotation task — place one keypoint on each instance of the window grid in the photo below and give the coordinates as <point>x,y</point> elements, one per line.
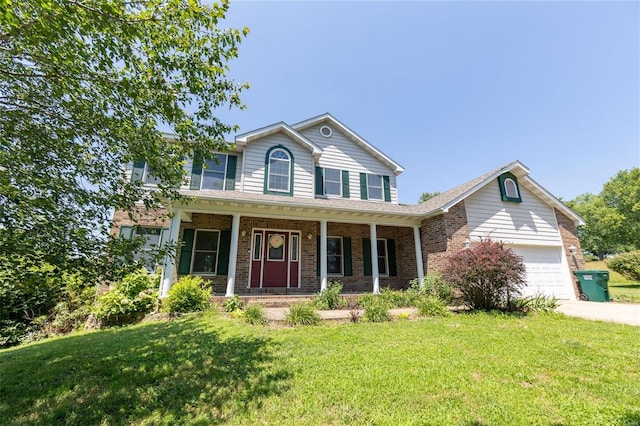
<point>334,256</point>
<point>332,182</point>
<point>374,187</point>
<point>279,171</point>
<point>205,252</point>
<point>214,173</point>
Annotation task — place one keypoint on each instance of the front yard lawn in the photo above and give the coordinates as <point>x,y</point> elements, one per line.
<point>471,369</point>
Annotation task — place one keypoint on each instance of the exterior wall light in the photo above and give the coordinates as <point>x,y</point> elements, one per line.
<point>467,244</point>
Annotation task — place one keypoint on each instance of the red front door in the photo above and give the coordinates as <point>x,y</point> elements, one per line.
<point>273,263</point>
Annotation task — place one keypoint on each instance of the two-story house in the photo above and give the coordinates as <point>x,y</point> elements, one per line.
<point>294,206</point>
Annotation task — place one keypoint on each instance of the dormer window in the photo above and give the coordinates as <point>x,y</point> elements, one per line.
<point>279,171</point>
<point>509,189</point>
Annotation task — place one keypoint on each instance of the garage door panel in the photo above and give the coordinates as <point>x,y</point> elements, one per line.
<point>545,271</point>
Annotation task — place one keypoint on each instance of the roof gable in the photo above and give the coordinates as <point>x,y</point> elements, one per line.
<point>245,138</point>
<point>443,202</point>
<point>353,136</point>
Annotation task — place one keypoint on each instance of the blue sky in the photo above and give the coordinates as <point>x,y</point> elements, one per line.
<point>451,90</point>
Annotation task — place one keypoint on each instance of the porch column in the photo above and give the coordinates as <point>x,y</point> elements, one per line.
<point>374,259</point>
<point>323,255</point>
<point>169,263</point>
<point>418,244</point>
<point>233,255</point>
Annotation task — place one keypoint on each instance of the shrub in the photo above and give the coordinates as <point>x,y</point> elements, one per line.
<point>396,298</point>
<point>187,295</point>
<point>232,304</point>
<point>329,298</point>
<point>377,311</point>
<point>367,300</point>
<point>254,314</point>
<point>74,305</point>
<point>626,264</point>
<point>488,275</point>
<point>433,284</point>
<point>432,306</point>
<point>129,299</point>
<point>537,303</point>
<point>302,314</point>
<point>29,289</point>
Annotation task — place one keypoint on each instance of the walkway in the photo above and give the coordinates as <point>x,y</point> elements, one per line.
<point>623,313</point>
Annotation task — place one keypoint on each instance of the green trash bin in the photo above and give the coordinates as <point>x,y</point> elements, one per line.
<point>594,285</point>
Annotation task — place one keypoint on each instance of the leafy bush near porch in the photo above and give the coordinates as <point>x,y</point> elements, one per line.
<point>254,314</point>
<point>135,295</point>
<point>329,298</point>
<point>433,284</point>
<point>188,295</point>
<point>377,311</point>
<point>233,304</point>
<point>432,306</point>
<point>302,314</point>
<point>626,264</point>
<point>488,275</point>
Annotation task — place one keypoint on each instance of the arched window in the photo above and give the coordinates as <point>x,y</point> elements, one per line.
<point>509,189</point>
<point>279,171</point>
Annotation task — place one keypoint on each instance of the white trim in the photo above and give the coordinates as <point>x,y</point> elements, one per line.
<point>369,198</point>
<point>323,255</point>
<point>375,274</point>
<point>325,128</point>
<point>170,261</point>
<point>289,162</point>
<point>233,255</point>
<point>297,246</point>
<point>243,139</point>
<point>418,250</point>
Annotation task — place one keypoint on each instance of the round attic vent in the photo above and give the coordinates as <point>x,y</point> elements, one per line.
<point>326,131</point>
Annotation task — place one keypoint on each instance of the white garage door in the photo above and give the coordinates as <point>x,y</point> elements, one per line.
<point>546,273</point>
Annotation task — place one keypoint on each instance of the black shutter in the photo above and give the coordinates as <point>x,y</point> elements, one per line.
<point>391,258</point>
<point>184,267</point>
<point>387,188</point>
<point>232,164</point>
<point>345,184</point>
<point>223,253</point>
<point>196,171</point>
<point>366,256</point>
<point>319,181</point>
<point>363,186</point>
<point>348,263</point>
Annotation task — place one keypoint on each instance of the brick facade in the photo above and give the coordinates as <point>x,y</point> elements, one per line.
<point>442,234</point>
<point>141,217</point>
<point>309,279</point>
<point>569,237</point>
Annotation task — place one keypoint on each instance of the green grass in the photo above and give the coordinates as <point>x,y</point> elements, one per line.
<point>208,369</point>
<point>620,288</point>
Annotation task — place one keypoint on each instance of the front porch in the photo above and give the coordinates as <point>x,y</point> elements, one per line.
<point>250,255</point>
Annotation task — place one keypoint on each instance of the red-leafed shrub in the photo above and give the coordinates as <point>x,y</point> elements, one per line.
<point>488,275</point>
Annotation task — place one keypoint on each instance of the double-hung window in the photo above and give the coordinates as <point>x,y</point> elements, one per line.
<point>334,256</point>
<point>152,238</point>
<point>374,187</point>
<point>279,171</point>
<point>205,252</point>
<point>214,172</point>
<point>383,262</point>
<point>332,182</point>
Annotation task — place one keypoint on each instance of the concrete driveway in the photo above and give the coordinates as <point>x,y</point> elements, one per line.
<point>623,313</point>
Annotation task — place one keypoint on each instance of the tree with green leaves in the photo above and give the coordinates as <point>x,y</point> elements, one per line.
<point>605,226</point>
<point>84,87</point>
<point>622,193</point>
<point>612,217</point>
<point>427,196</point>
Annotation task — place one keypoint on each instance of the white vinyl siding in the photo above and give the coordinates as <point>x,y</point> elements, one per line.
<point>531,222</point>
<point>254,166</point>
<point>340,152</point>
